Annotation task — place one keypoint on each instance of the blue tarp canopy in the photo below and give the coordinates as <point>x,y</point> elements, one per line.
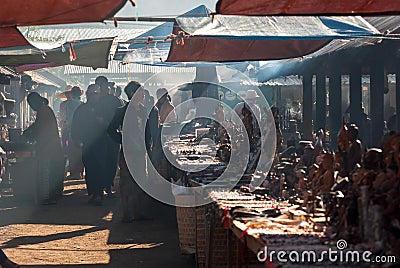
<point>222,38</point>
<point>198,36</point>
<point>277,27</point>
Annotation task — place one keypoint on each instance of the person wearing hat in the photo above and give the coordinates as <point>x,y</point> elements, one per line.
<point>165,108</point>
<point>74,155</point>
<point>49,154</point>
<point>132,196</point>
<point>86,134</point>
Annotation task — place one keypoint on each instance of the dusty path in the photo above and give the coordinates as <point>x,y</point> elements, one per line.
<point>73,233</point>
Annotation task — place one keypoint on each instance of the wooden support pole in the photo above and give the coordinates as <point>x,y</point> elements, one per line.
<point>377,102</point>
<point>335,106</point>
<point>357,115</point>
<point>355,95</point>
<point>307,107</point>
<point>320,109</point>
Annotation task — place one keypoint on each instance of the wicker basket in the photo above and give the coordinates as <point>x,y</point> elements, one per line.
<point>186,218</point>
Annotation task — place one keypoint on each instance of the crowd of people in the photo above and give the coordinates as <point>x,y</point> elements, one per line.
<point>90,145</point>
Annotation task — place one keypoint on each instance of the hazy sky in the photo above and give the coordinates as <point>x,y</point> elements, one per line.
<point>163,7</point>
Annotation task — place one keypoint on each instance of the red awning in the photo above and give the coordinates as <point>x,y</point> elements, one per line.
<point>43,12</point>
<point>11,37</point>
<point>220,49</point>
<point>15,13</point>
<point>308,7</point>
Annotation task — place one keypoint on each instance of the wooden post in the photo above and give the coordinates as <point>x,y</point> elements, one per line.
<point>335,106</point>
<point>355,95</point>
<point>377,102</point>
<point>320,110</point>
<point>307,106</point>
<point>356,112</point>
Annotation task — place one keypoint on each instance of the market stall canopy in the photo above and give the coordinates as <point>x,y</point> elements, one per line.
<point>42,12</point>
<point>152,47</point>
<point>148,47</point>
<point>222,38</point>
<point>272,69</point>
<point>11,37</point>
<point>93,52</point>
<point>45,12</point>
<point>308,7</point>
<point>52,36</point>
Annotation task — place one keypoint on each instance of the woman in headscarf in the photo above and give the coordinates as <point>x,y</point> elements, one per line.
<point>50,159</point>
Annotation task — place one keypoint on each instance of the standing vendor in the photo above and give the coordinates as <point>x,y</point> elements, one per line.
<point>50,159</point>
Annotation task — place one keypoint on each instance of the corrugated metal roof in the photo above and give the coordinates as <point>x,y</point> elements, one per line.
<point>389,24</point>
<point>7,71</point>
<point>64,33</point>
<point>44,77</point>
<point>291,80</point>
<point>117,67</point>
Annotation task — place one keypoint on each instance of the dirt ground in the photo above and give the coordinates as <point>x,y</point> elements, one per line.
<point>73,233</point>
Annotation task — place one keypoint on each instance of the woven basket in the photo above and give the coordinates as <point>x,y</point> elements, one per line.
<point>186,218</point>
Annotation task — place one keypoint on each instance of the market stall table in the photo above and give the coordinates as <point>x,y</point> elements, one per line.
<point>188,159</point>
<point>255,221</point>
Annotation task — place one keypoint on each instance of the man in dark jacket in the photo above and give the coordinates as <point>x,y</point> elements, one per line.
<point>86,134</point>
<point>105,110</point>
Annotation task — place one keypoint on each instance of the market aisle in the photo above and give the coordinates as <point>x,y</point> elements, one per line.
<point>73,233</point>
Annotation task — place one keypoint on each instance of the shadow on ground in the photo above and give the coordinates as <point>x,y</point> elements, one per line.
<point>73,233</point>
